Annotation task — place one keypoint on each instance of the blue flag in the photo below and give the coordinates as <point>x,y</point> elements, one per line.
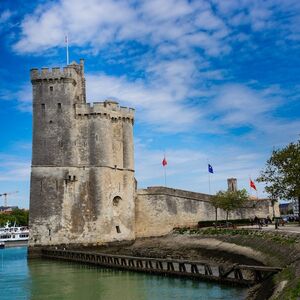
<point>210,169</point>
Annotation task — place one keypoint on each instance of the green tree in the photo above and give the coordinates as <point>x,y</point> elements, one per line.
<point>215,202</point>
<point>18,216</point>
<point>282,173</point>
<point>229,200</point>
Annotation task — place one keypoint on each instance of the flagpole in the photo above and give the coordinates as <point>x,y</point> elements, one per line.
<point>209,183</point>
<point>67,48</point>
<point>209,186</point>
<point>165,169</point>
<point>250,190</point>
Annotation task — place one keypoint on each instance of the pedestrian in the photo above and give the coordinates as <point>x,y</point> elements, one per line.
<point>257,222</point>
<point>276,223</point>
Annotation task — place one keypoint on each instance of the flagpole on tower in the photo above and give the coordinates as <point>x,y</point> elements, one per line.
<point>67,48</point>
<point>253,186</point>
<point>164,163</point>
<point>210,170</point>
<point>165,176</point>
<point>250,190</point>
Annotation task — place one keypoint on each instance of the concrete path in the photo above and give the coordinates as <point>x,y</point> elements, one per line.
<point>290,228</point>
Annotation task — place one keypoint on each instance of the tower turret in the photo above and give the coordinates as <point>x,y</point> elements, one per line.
<point>55,93</point>
<point>232,184</point>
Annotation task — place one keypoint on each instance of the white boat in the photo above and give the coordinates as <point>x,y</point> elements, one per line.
<point>13,233</point>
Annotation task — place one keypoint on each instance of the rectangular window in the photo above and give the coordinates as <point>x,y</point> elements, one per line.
<point>118,229</point>
<point>43,106</point>
<point>59,106</point>
<point>51,88</point>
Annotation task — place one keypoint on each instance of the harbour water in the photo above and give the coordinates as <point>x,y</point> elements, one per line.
<point>56,280</point>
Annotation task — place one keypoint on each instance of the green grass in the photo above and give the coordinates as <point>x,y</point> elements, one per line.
<point>292,289</point>
<point>282,240</point>
<point>295,292</point>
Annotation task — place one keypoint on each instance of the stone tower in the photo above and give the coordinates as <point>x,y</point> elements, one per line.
<point>82,180</point>
<point>232,184</point>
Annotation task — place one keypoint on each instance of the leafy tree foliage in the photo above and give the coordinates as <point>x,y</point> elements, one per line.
<point>282,173</point>
<point>18,216</point>
<point>229,200</point>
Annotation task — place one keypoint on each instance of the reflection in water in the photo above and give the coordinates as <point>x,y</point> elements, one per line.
<point>45,279</point>
<point>14,274</point>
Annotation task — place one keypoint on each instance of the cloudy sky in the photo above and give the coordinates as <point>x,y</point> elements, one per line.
<point>211,80</point>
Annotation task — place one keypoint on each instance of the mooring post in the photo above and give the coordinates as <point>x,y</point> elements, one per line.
<point>182,267</point>
<point>170,266</point>
<point>194,269</point>
<point>208,270</point>
<point>159,265</point>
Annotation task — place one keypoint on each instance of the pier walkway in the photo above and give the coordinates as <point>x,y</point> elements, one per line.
<point>236,274</point>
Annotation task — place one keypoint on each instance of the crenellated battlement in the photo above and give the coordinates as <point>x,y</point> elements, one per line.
<point>71,71</point>
<point>108,109</point>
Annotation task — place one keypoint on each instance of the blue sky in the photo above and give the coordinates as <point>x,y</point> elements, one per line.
<point>213,81</point>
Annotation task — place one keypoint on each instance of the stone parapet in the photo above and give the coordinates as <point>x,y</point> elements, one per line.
<point>161,190</point>
<point>71,71</point>
<point>107,108</point>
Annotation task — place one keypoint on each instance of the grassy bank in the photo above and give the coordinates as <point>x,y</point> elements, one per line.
<point>279,248</point>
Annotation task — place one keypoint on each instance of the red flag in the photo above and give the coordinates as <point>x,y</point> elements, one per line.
<point>252,184</point>
<point>164,162</point>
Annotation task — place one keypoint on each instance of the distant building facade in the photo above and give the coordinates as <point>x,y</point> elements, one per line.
<point>7,209</point>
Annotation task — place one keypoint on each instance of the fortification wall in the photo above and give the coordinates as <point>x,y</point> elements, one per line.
<point>158,210</point>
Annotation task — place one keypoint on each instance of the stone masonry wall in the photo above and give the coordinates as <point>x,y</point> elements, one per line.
<point>158,210</point>
<point>82,181</point>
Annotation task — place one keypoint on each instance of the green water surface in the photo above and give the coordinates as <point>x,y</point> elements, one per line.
<point>49,279</point>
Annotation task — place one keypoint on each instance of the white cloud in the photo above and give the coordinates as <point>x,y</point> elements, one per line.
<point>162,107</point>
<point>207,20</point>
<point>13,168</point>
<point>23,97</point>
<point>97,23</point>
<point>240,105</point>
<point>5,16</point>
<point>14,176</point>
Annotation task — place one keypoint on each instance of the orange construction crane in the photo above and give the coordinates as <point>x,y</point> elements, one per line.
<point>5,196</point>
